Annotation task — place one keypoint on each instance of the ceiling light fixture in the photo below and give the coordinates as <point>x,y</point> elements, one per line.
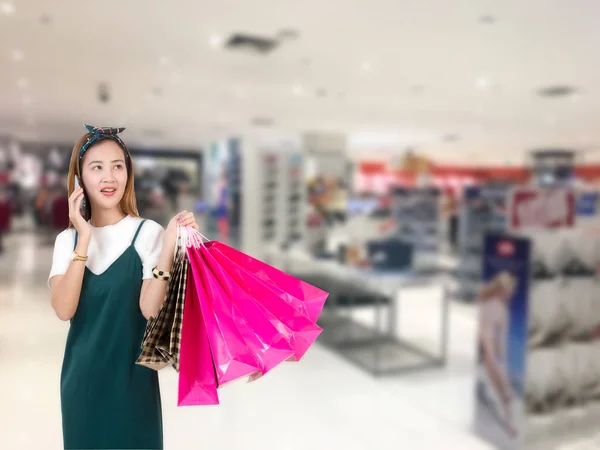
<point>8,8</point>
<point>487,19</point>
<point>215,41</point>
<point>366,66</point>
<point>557,91</point>
<point>482,83</point>
<point>164,61</point>
<point>17,55</point>
<point>298,90</point>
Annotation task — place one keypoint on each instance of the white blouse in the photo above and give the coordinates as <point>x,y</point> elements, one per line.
<point>108,243</point>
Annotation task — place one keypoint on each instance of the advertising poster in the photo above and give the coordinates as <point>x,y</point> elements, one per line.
<point>542,208</point>
<point>502,341</point>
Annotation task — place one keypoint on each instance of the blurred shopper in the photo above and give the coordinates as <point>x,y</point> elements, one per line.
<point>5,216</point>
<point>453,211</point>
<point>39,207</point>
<point>109,274</point>
<point>60,210</point>
<point>222,207</point>
<point>171,189</point>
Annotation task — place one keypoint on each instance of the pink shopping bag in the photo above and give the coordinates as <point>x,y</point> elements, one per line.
<point>197,380</point>
<point>225,326</point>
<point>267,337</point>
<point>274,299</point>
<point>302,295</point>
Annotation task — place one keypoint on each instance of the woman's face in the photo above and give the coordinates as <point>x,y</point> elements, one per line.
<point>104,174</point>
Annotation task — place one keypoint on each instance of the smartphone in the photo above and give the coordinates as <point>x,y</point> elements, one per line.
<point>83,201</point>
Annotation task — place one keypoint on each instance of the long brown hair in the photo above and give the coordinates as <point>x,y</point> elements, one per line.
<point>128,203</point>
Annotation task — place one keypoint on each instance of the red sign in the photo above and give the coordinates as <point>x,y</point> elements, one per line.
<point>542,208</point>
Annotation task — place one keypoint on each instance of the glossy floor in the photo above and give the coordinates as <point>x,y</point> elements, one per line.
<point>321,403</point>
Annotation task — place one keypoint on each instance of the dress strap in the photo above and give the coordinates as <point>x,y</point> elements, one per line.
<point>137,232</point>
<point>75,244</point>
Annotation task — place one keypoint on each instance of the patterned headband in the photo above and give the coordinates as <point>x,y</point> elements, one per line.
<point>98,133</point>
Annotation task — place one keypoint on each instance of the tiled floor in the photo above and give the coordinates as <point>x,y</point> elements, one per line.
<point>321,403</point>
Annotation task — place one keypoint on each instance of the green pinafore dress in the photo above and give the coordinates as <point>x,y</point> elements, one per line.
<point>108,401</point>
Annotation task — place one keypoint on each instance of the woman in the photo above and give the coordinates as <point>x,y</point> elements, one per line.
<point>106,280</point>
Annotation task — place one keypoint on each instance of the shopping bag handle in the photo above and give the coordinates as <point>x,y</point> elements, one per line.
<point>190,237</point>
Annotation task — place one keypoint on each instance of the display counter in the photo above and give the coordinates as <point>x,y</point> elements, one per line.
<point>361,319</point>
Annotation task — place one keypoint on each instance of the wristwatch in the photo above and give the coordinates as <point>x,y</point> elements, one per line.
<point>161,274</point>
<point>77,257</point>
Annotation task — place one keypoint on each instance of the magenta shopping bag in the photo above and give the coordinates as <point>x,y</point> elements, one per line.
<point>197,382</point>
<point>304,331</point>
<point>302,295</point>
<point>267,337</point>
<point>225,326</point>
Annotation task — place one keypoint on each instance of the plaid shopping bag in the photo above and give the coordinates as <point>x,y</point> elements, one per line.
<point>170,343</point>
<point>160,326</point>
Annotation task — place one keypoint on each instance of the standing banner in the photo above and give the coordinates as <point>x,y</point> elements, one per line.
<point>502,341</point>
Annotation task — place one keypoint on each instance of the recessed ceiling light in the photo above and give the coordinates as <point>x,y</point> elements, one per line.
<point>215,41</point>
<point>487,19</point>
<point>164,60</point>
<point>366,66</point>
<point>22,83</point>
<point>559,90</point>
<point>298,90</point>
<point>482,83</point>
<point>451,137</point>
<point>288,34</point>
<point>7,8</point>
<point>17,55</point>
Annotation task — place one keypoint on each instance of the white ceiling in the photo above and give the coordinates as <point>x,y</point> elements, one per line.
<point>426,58</point>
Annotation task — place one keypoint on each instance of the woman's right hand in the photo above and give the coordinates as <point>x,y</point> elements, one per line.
<point>83,228</point>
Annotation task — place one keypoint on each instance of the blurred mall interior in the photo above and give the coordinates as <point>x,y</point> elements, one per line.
<point>433,165</point>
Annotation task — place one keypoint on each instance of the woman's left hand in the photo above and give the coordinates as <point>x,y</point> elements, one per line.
<point>183,219</point>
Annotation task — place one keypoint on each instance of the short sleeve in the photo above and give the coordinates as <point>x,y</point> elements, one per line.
<point>63,249</point>
<point>149,246</point>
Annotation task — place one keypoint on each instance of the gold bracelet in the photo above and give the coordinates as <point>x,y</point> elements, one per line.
<point>161,275</point>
